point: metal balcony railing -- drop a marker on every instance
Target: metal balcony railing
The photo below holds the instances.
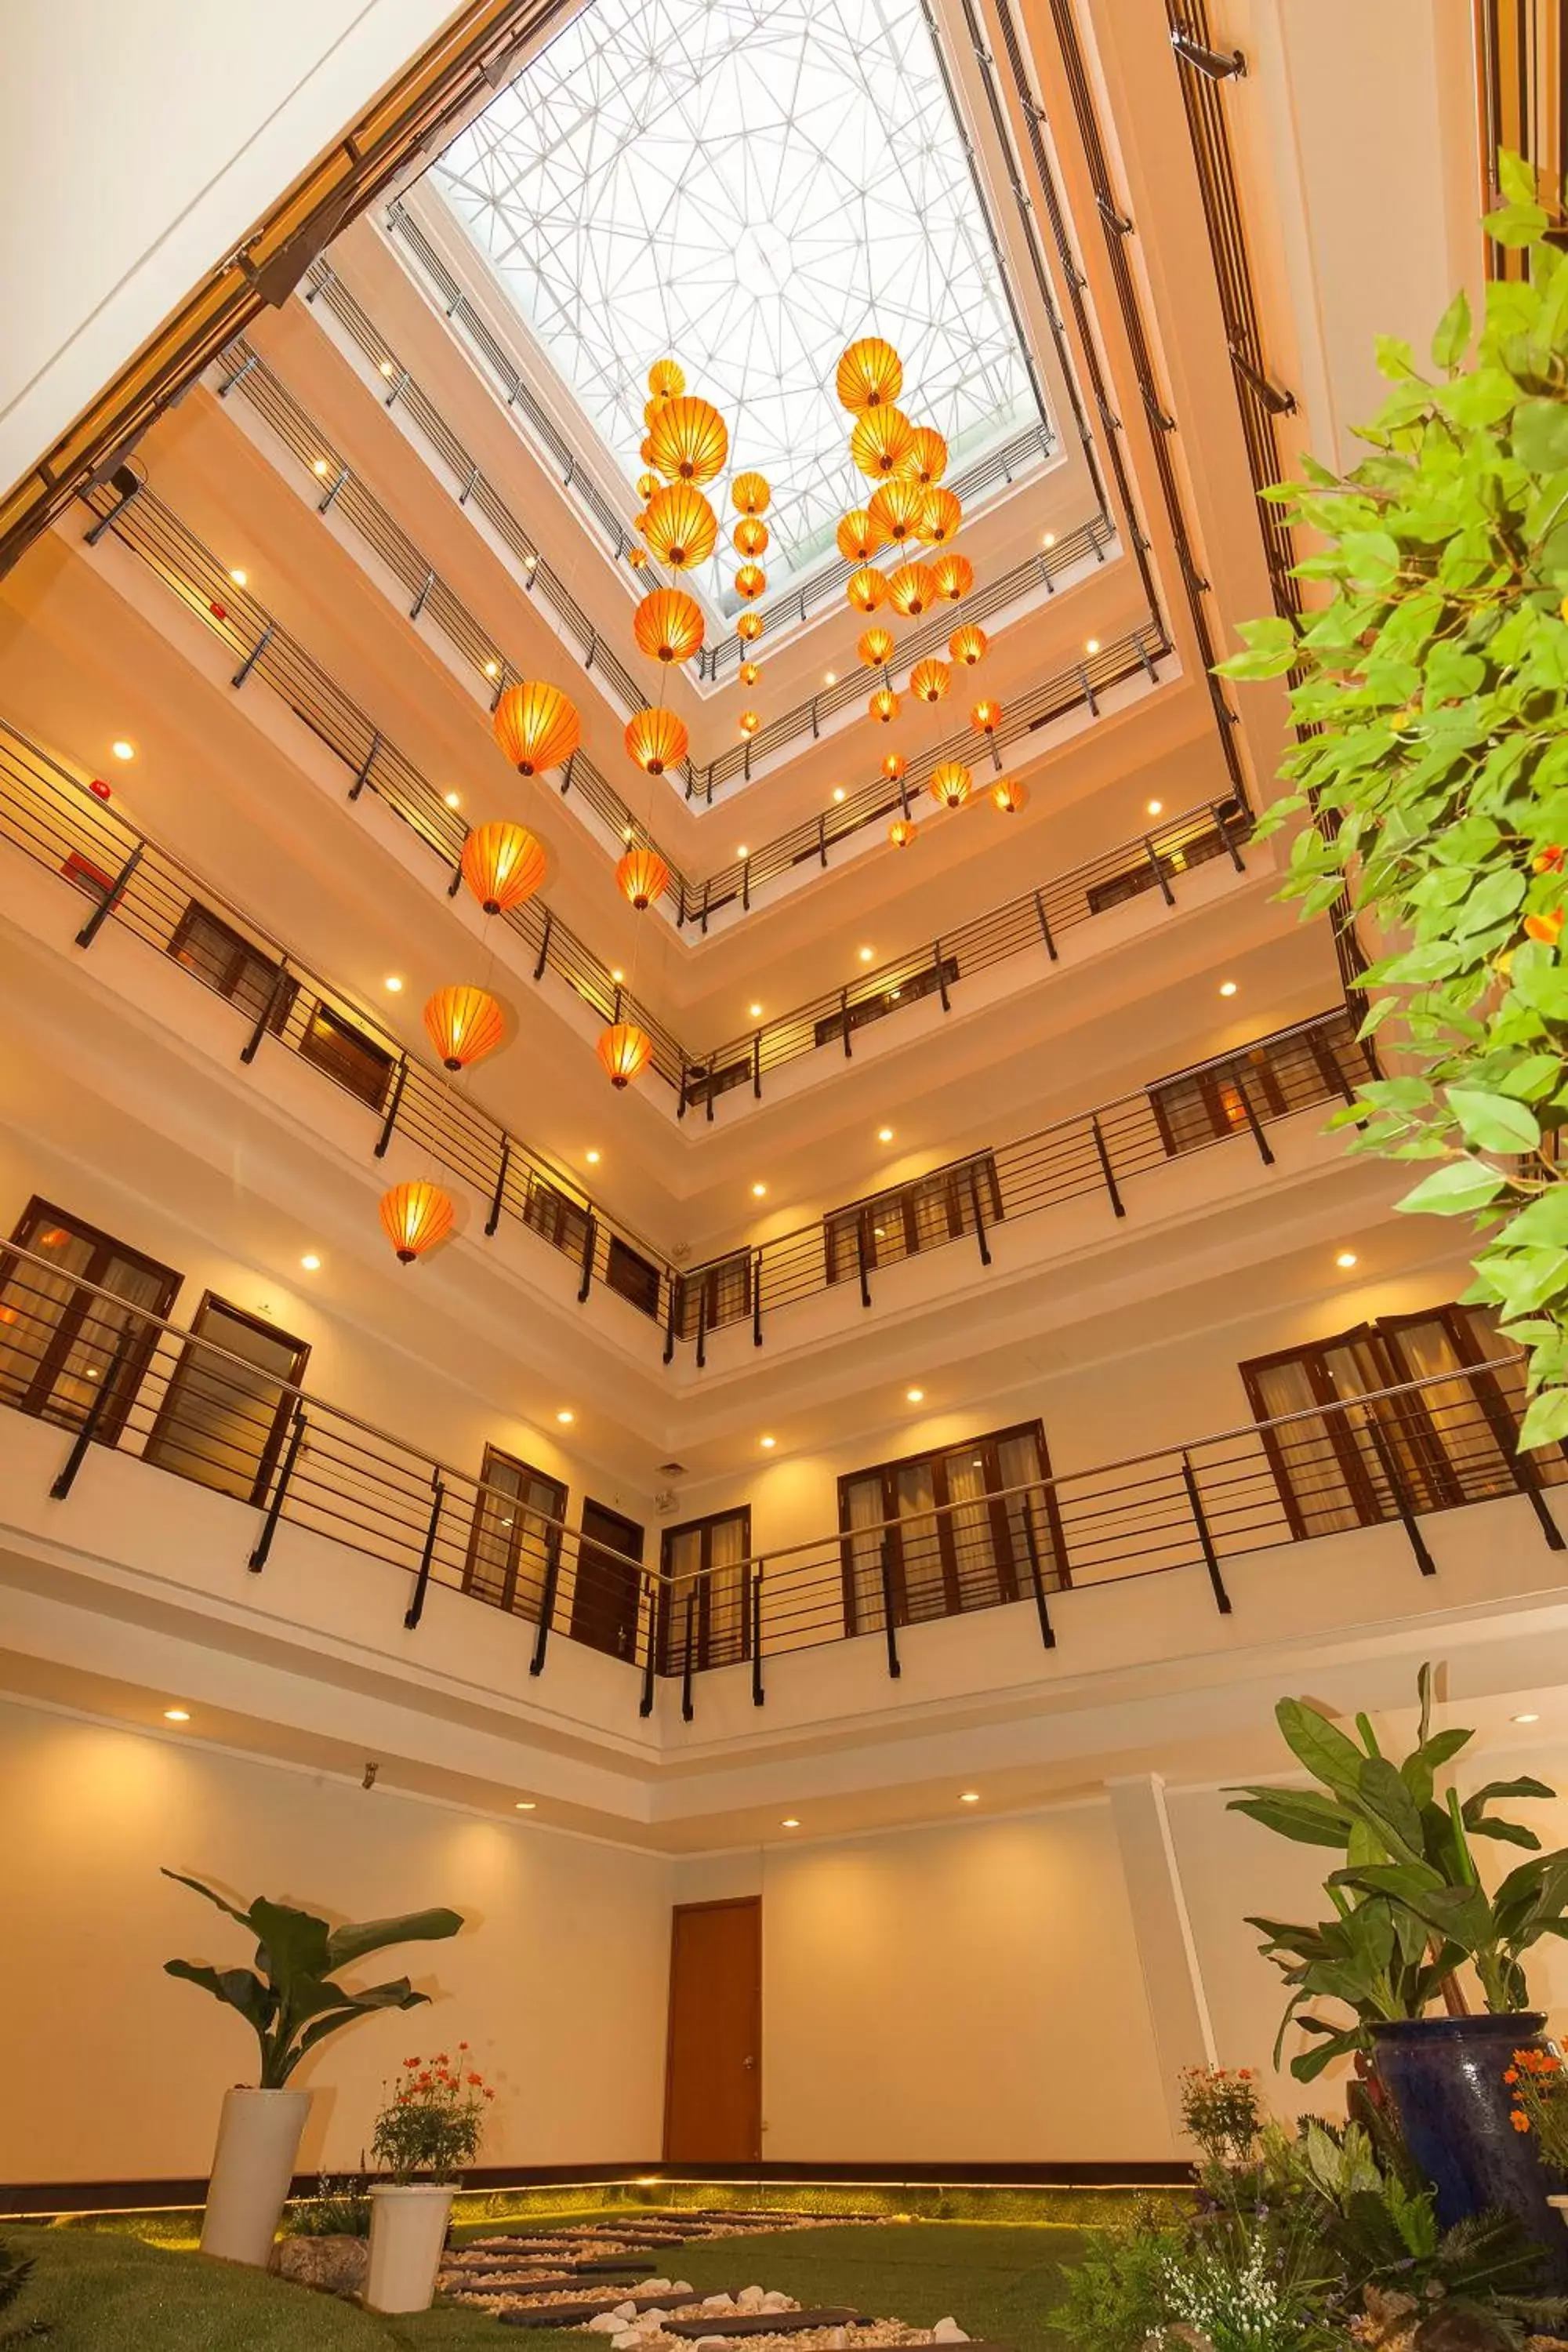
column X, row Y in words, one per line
column 1522, row 101
column 128, row 507
column 110, row 1375
column 1014, row 458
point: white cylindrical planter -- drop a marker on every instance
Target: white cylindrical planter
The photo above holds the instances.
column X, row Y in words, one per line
column 407, row 2232
column 257, row 2141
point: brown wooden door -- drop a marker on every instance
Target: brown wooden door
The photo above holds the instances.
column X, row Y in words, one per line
column 713, row 2077
column 606, row 1599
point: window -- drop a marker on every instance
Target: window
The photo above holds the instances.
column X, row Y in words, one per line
column 1454, row 1443
column 222, row 1422
column 937, row 1534
column 606, row 1597
column 347, row 1055
column 1285, row 1074
column 1140, row 873
column 706, row 1591
column 934, row 1209
column 58, row 1342
column 515, row 1545
column 702, row 1086
column 635, row 1278
column 222, row 960
column 562, row 1222
column 887, row 997
column 720, row 1293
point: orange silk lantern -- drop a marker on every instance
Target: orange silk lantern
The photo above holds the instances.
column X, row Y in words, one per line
column 985, row 717
column 876, row 648
column 967, row 645
column 690, row 440
column 636, row 557
column 859, row 537
column 929, row 680
column 749, row 672
column 642, row 875
column 750, row 537
column 749, row 627
column 950, row 785
column 749, row 494
column 911, row 589
column 667, row 624
column 415, row 1217
column 625, row 1051
column 895, row 508
column 657, row 741
column 955, row 577
column 901, row 833
column 1010, row 796
column 536, row 727
column 940, row 516
column 927, row 460
column 680, row 526
column 464, row 1024
column 894, row 766
column 869, row 374
column 750, row 582
column 667, row 379
column 866, row 588
column 748, row 722
column 884, row 704
column 881, row 441
column 503, row 865
column 646, row 485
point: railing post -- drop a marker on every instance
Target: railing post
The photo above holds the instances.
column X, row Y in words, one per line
column 107, row 521
column 1221, row 823
column 1045, row 927
column 1264, row 1152
column 493, row 1220
column 362, row 776
column 758, row 1694
column 687, row 1709
column 65, row 1480
column 263, row 1546
column 268, row 1013
column 757, row 1066
column 1401, row 1493
column 110, row 898
column 650, row 1655
column 415, row 1608
column 546, row 1605
column 674, row 1294
column 757, row 1297
column 1042, row 1606
column 1200, row 1520
column 844, row 1011
column 590, row 1242
column 1105, row 1167
column 702, row 1326
column 390, row 1121
column 941, row 977
column 1525, row 1475
column 978, row 1214
column 253, row 655
column 861, row 1263
column 891, row 1631
column 1161, row 876
column 543, row 957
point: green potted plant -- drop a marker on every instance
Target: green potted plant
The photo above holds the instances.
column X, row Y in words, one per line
column 1409, row 1912
column 430, row 2127
column 292, row 2000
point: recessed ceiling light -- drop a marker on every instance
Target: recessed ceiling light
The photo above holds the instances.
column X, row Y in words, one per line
column 318, row 466
column 121, row 749
column 1228, row 987
column 1092, row 645
column 492, row 670
column 1524, row 1718
column 454, row 800
column 526, row 1805
column 176, row 1714
column 790, row 1823
column 1155, row 807
column 769, row 1444
column 755, row 1010
column 884, row 1135
column 311, row 1262
column 238, row 577
column 970, row 1797
column 592, row 1158
column 1050, row 540
column 565, row 1414
column 915, row 1396
column 617, row 975
column 393, row 984
column 838, row 791
column 386, row 367
column 758, row 1191
column 1345, row 1258
column 740, row 850
column 830, row 678
column 530, row 562
column 866, row 953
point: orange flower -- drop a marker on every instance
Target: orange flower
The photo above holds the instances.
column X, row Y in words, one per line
column 1548, row 860
column 475, row 2082
column 1519, row 2120
column 1510, row 2075
column 1544, row 928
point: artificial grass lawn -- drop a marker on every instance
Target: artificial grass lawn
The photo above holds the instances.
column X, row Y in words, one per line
column 104, row 2292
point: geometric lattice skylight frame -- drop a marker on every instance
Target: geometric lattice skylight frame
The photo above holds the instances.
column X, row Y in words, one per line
column 748, row 188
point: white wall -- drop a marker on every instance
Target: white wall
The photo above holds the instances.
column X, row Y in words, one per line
column 115, row 2070
column 137, row 148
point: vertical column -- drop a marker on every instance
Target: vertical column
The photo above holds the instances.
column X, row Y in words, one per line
column 1167, row 1954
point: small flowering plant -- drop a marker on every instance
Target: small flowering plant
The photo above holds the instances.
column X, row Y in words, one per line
column 1220, row 2110
column 435, row 2118
column 1540, row 2088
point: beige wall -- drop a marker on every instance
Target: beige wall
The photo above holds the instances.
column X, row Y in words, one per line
column 115, row 2070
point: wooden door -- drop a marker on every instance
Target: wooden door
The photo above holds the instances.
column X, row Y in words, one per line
column 606, row 1599
column 222, row 1421
column 713, row 2075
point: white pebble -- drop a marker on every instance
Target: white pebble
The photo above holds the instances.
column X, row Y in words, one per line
column 775, row 2301
column 711, row 2344
column 681, row 2287
column 718, row 2303
column 839, row 2340
column 750, row 2298
column 948, row 2331
column 607, row 2324
column 628, row 2341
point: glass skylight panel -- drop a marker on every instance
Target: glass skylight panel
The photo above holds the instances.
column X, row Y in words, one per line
column 747, row 188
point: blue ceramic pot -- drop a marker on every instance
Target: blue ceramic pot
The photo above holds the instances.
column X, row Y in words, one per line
column 1444, row 2076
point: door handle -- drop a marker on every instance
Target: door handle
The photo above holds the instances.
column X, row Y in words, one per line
column 748, row 2062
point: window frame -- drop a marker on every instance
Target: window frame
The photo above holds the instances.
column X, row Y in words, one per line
column 485, row 1489
column 276, row 1002
column 960, row 1180
column 1015, row 1580
column 105, row 1247
column 191, row 1352
column 671, row 1651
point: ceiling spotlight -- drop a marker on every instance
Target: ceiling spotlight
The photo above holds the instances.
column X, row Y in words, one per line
column 1155, row 807
column 386, row 367
column 970, row 1797
column 915, row 1396
column 311, row 1262
column 393, row 984
column 454, row 800
column 1092, row 645
column 1050, row 540
column 1524, row 1718
column 122, row 750
column 740, row 850
column 884, row 1135
column 830, row 678
column 755, row 1010
column 838, row 793
column 492, row 670
column 791, row 1823
column 565, row 1414
column 525, row 1805
column 1228, row 987
column 866, row 953
column 758, row 1191
column 530, row 562
column 238, row 577
column 176, row 1714
column 1345, row 1258
column 319, row 465
column 769, row 1444
column 617, row 975
column 592, row 1158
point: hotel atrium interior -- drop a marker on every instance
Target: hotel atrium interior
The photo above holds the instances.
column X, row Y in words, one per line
column 678, row 1270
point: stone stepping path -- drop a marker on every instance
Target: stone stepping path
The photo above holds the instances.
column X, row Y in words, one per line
column 574, row 2314
column 730, row 2323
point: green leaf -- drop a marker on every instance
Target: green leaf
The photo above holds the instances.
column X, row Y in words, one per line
column 1326, row 1752
column 1456, row 1190
column 1540, row 435
column 1516, row 177
column 352, row 1943
column 1300, row 1815
column 1452, row 338
column 1546, row 1420
column 1373, row 556
column 1493, row 1122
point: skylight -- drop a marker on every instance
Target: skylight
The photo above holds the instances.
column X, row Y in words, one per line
column 748, row 187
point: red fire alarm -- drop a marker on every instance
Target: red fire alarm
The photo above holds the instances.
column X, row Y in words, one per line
column 99, row 790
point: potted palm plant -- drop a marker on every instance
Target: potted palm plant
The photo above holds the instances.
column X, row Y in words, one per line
column 429, row 2129
column 1410, row 1912
column 292, row 2002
